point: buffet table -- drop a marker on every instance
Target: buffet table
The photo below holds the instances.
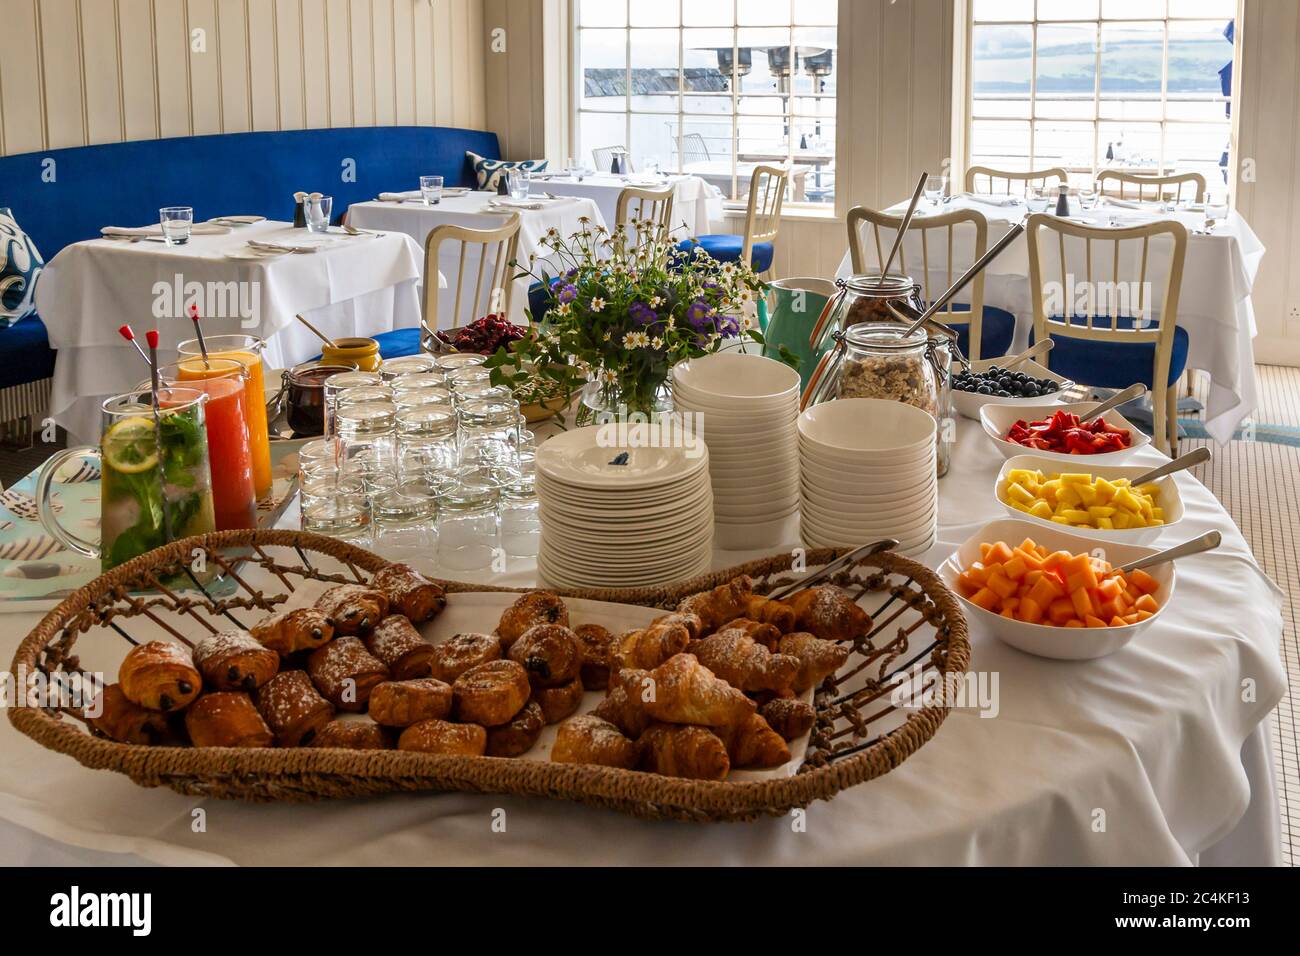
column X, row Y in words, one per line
column 1156, row 755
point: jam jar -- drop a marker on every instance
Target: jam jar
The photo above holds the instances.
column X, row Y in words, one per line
column 866, row 298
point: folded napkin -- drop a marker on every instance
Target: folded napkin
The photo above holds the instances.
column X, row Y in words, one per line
column 401, row 197
column 993, row 200
column 292, row 245
column 1132, row 204
column 236, row 220
column 198, row 229
column 518, row 203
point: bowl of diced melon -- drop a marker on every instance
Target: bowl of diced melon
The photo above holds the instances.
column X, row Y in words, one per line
column 1099, row 501
column 1053, row 593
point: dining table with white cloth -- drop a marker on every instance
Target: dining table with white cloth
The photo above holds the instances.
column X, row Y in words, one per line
column 477, row 209
column 1214, row 303
column 697, row 204
column 1158, row 754
column 347, row 286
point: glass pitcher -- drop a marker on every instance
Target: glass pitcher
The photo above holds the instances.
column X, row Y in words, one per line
column 156, row 485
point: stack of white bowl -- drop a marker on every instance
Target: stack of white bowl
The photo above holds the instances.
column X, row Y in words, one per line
column 745, row 407
column 868, row 472
column 622, row 507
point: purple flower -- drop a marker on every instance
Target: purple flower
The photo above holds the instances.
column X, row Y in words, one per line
column 728, row 327
column 642, row 314
column 700, row 315
column 567, row 293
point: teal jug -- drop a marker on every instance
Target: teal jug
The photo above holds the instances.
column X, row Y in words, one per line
column 794, row 307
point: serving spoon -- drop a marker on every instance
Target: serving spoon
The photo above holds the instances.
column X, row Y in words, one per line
column 1136, row 390
column 1034, row 351
column 1206, row 542
column 1191, row 459
column 826, row 570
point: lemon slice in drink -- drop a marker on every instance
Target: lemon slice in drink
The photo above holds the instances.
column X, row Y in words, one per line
column 129, row 446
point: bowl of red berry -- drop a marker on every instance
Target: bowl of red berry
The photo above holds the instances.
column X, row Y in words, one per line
column 1058, row 432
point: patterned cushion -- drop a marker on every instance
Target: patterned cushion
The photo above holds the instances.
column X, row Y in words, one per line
column 20, row 267
column 488, row 171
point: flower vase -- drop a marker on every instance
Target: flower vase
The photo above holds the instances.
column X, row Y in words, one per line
column 604, row 401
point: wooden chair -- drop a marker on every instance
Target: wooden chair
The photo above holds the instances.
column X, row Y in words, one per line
column 603, row 157
column 961, row 237
column 1159, row 185
column 1038, row 178
column 640, row 203
column 1104, row 347
column 694, row 149
column 755, row 245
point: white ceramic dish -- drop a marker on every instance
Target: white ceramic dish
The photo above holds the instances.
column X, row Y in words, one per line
column 899, row 485
column 998, row 419
column 865, row 425
column 1060, row 643
column 733, row 375
column 765, row 511
column 869, row 521
column 584, row 458
column 866, row 461
column 968, row 404
column 1170, row 500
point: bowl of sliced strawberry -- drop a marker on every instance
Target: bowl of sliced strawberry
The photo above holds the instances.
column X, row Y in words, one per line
column 1058, row 432
column 484, row 335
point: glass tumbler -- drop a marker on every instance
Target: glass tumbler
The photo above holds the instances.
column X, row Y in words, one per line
column 406, row 365
column 318, row 459
column 427, row 449
column 488, row 439
column 405, row 383
column 467, row 525
column 404, row 523
column 319, row 211
column 456, row 360
column 368, row 440
column 336, row 505
column 463, row 378
column 521, row 526
column 336, row 384
column 431, row 190
column 176, row 223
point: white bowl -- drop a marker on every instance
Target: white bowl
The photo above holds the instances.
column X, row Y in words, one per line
column 866, row 462
column 998, row 419
column 900, row 486
column 852, row 479
column 709, row 414
column 749, row 534
column 767, row 511
column 867, row 426
column 1170, row 500
column 756, row 446
column 968, row 404
column 737, row 375
column 830, row 516
column 1044, row 640
column 817, row 538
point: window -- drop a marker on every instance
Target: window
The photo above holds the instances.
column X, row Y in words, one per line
column 1095, row 84
column 710, row 87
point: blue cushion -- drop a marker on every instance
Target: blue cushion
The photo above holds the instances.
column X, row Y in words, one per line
column 539, row 301
column 488, row 171
column 62, row 196
column 399, row 342
column 727, row 248
column 997, row 330
column 25, row 353
column 20, row 267
column 1112, row 364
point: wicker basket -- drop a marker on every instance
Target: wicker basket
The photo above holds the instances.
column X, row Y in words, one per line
column 918, row 625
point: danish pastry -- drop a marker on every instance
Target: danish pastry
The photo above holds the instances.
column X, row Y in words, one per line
column 558, row 702
column 549, row 653
column 588, row 739
column 724, row 603
column 444, row 737
column 818, row 659
column 789, row 716
column 345, row 672
column 624, row 703
column 126, row 722
column 651, row 646
column 596, row 644
column 744, row 663
column 460, row 652
column 354, row 732
column 827, row 612
column 397, row 643
column 292, row 708
column 354, row 608
column 491, row 693
column 409, row 592
column 235, row 660
column 752, row 743
column 684, row 691
column 518, row 735
column 679, row 751
column 159, row 675
column 226, row 719
column 302, row 629
column 404, row 702
column 535, row 607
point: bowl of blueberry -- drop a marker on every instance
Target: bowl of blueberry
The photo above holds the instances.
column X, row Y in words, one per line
column 988, row 383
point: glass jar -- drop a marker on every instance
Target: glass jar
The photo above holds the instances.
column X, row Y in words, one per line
column 866, row 299
column 368, row 442
column 467, row 525
column 456, row 360
column 488, row 439
column 304, row 387
column 521, row 526
column 340, row 383
column 407, row 365
column 404, row 523
column 427, row 448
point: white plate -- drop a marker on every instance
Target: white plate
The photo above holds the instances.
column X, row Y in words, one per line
column 582, row 458
column 998, row 419
column 731, row 375
column 866, row 425
column 561, row 577
column 763, row 512
column 245, row 254
column 634, row 527
column 968, row 404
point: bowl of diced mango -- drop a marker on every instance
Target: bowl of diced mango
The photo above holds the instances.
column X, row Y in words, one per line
column 1099, row 500
column 1049, row 592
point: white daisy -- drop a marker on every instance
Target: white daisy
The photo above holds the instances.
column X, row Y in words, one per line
column 656, row 343
column 629, row 340
column 609, row 375
column 655, row 301
column 597, row 304
column 606, row 336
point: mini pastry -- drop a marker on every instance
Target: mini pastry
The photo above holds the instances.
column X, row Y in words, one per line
column 354, row 608
column 624, row 703
column 397, row 643
column 686, row 692
column 226, row 719
column 491, row 693
column 588, row 739
column 401, row 703
column 536, row 607
column 817, row 658
column 789, row 716
column 159, row 675
column 345, row 673
column 677, row 751
column 354, row 732
column 724, row 603
column 126, row 722
column 459, row 653
column 827, row 612
column 652, row 645
column 549, row 653
column 302, row 629
column 744, row 663
column 766, row 634
column 752, row 743
column 235, row 660
column 558, row 702
column 517, row 736
column 444, row 737
column 596, row 644
column 409, row 592
column 766, row 611
column 292, row 708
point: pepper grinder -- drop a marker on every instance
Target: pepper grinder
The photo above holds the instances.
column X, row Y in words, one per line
column 300, row 210
column 1063, row 200
column 502, row 188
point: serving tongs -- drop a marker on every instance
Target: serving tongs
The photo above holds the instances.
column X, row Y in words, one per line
column 833, row 567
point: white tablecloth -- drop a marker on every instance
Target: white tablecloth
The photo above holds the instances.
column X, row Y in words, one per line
column 1162, row 744
column 1214, row 304
column 417, row 220
column 697, row 205
column 353, row 286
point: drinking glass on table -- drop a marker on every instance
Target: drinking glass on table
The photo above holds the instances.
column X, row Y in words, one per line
column 336, row 505
column 431, row 189
column 176, row 222
column 1088, row 195
column 468, row 532
column 335, row 385
column 319, row 211
column 935, row 187
column 519, row 182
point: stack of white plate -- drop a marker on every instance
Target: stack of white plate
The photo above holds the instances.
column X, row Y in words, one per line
column 868, row 472
column 621, row 510
column 745, row 407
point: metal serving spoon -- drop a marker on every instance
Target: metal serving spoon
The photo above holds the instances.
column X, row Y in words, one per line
column 1190, row 460
column 1136, row 390
column 1206, row 542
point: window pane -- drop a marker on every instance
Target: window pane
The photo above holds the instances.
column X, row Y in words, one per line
column 1002, row 63
column 1224, row 9
column 1132, row 9
column 654, row 70
column 708, row 13
column 814, row 157
column 1132, row 60
column 604, row 69
column 816, row 12
column 1198, row 50
column 759, row 12
column 1067, row 9
column 1067, row 60
column 1000, row 144
column 770, row 60
column 596, row 130
column 1195, row 147
column 1130, row 108
column 1063, row 144
column 653, row 13
column 1136, row 146
column 1004, row 9
column 707, row 150
column 815, row 61
column 654, row 141
column 603, row 13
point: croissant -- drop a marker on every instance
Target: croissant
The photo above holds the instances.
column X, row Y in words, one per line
column 354, row 608
column 235, row 660
column 829, row 613
column 767, row 611
column 404, row 702
column 624, row 703
column 550, row 654
column 724, row 603
column 535, row 607
column 345, row 673
column 516, row 737
column 559, row 702
column 409, row 592
column 744, row 663
column 460, row 652
column 753, row 743
column 397, row 643
column 596, row 644
column 675, row 751
column 588, row 739
column 651, row 646
column 354, row 732
column 444, row 737
column 302, row 629
column 292, row 708
column 226, row 719
column 766, row 634
column 684, row 691
column 789, row 716
column 817, row 658
column 126, row 722
column 159, row 675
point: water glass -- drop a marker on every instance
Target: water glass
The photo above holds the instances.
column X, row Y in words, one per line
column 481, row 392
column 488, row 439
column 395, row 368
column 935, row 187
column 404, row 523
column 456, row 360
column 521, row 525
column 336, row 506
column 417, row 397
column 427, row 449
column 319, row 209
column 318, row 458
column 176, row 222
column 468, row 536
column 368, row 438
column 337, row 384
column 462, row 378
column 431, row 190
column 410, row 383
column 1088, row 195
column 519, row 182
